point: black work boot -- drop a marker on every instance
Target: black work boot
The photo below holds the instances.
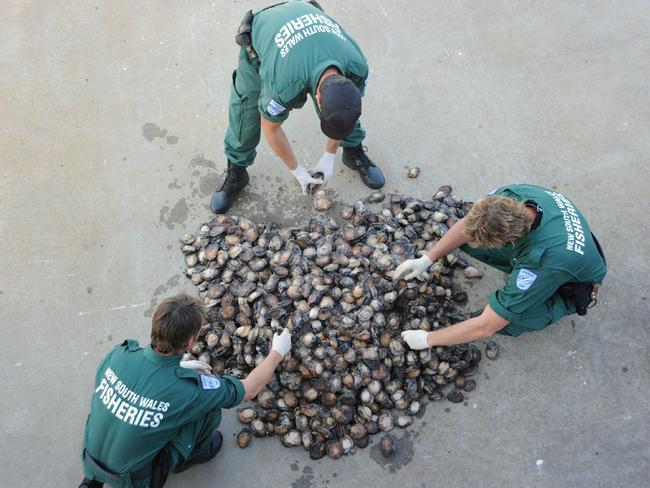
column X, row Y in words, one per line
column 215, row 445
column 223, row 198
column 355, row 158
column 88, row 483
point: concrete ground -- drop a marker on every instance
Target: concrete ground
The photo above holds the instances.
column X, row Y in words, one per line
column 113, row 116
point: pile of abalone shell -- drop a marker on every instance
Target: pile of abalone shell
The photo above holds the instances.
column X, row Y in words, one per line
column 349, row 374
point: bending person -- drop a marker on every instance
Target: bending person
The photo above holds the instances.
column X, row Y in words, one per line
column 289, row 51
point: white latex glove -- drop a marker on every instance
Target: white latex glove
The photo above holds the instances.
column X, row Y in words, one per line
column 305, row 178
column 196, row 365
column 412, row 268
column 416, row 339
column 325, row 167
column 282, row 342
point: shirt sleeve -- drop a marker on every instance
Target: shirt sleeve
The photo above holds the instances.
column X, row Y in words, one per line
column 526, row 288
column 214, row 392
column 233, row 391
column 271, row 107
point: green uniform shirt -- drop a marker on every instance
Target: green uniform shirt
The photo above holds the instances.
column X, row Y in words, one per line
column 559, row 250
column 141, row 402
column 296, row 42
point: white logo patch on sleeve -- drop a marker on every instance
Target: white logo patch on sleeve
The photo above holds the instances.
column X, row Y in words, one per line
column 210, row 382
column 274, row 108
column 525, row 279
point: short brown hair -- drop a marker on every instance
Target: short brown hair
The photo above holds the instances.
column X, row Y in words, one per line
column 494, row 221
column 174, row 322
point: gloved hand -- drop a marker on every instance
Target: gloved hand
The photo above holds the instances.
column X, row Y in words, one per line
column 305, row 178
column 196, row 365
column 412, row 268
column 282, row 342
column 325, row 167
column 416, row 339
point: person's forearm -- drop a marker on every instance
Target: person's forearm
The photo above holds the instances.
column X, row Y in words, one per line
column 331, row 145
column 466, row 331
column 453, row 239
column 260, row 376
column 280, row 144
column 474, row 329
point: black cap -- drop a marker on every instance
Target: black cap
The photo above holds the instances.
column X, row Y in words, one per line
column 340, row 106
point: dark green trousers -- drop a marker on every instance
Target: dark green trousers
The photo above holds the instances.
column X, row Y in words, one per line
column 536, row 318
column 244, row 126
column 198, row 432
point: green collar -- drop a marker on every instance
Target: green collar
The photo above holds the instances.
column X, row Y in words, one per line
column 157, row 358
column 319, row 70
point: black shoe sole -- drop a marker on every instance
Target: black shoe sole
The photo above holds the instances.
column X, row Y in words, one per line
column 86, row 483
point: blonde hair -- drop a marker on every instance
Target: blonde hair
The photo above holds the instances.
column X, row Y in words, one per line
column 495, row 221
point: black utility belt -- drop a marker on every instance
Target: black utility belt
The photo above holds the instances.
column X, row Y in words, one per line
column 244, row 37
column 137, row 475
column 583, row 294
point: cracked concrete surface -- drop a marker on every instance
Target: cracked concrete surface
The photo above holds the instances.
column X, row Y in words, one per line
column 113, row 116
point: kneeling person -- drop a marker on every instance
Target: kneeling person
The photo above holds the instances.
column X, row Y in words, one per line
column 151, row 413
column 542, row 240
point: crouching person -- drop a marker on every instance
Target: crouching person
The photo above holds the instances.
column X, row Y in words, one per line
column 542, row 240
column 150, row 415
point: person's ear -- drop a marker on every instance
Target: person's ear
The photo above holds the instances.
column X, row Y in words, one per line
column 191, row 342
